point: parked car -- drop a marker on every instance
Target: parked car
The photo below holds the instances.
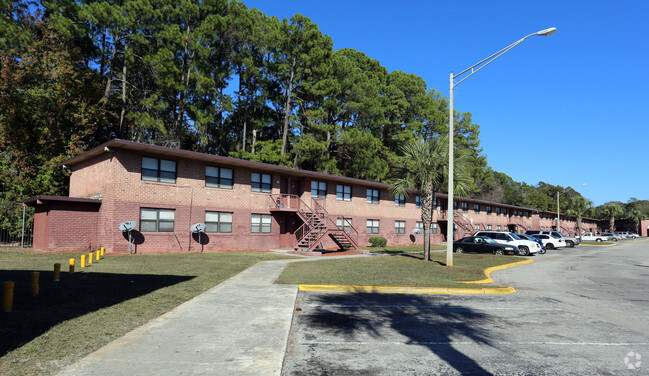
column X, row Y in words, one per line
column 589, row 236
column 633, row 235
column 569, row 240
column 611, row 236
column 551, row 242
column 525, row 247
column 534, row 239
column 483, row 244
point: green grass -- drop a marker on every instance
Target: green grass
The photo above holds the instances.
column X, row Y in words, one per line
column 403, row 249
column 403, row 269
column 73, row 317
column 588, row 242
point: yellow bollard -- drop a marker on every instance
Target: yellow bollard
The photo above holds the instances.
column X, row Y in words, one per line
column 98, row 254
column 102, row 251
column 90, row 259
column 34, row 278
column 57, row 272
column 71, row 266
column 83, row 261
column 7, row 296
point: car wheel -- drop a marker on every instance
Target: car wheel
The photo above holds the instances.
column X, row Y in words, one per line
column 499, row 252
column 550, row 246
column 523, row 251
column 598, row 240
column 542, row 251
column 570, row 244
column 459, row 250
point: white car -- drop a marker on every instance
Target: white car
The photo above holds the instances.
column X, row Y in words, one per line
column 551, row 242
column 589, row 236
column 525, row 247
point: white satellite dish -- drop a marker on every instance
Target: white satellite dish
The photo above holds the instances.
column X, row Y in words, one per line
column 416, row 231
column 198, row 227
column 127, row 226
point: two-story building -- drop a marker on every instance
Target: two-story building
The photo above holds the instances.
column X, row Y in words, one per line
column 244, row 205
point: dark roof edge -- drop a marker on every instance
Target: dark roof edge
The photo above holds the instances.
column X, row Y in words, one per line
column 33, row 201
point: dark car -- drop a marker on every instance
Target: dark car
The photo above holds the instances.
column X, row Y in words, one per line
column 483, row 244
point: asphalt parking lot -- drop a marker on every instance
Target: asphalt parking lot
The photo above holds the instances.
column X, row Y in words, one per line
column 580, row 311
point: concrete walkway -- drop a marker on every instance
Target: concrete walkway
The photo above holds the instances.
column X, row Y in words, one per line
column 239, row 327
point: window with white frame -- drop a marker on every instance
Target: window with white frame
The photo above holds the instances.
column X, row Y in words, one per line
column 217, row 177
column 372, row 196
column 497, row 210
column 344, row 224
column 488, row 227
column 476, row 227
column 157, row 220
column 318, row 188
column 261, row 182
column 399, row 227
column 373, row 226
column 418, row 202
column 455, row 205
column 419, row 227
column 433, row 228
column 218, row 222
column 498, row 228
column 260, row 223
column 160, row 170
column 343, row 192
column 400, row 199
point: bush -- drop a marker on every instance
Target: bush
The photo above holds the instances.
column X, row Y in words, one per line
column 378, row 241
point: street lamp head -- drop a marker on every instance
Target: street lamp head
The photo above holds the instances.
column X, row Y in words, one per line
column 548, row 31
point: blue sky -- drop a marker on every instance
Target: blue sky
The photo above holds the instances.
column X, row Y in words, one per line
column 565, row 109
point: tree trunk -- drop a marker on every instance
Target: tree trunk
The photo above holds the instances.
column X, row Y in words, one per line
column 123, row 112
column 426, row 217
column 611, row 224
column 185, row 80
column 109, row 76
column 287, row 108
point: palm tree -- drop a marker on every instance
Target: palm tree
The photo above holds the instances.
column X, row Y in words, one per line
column 637, row 216
column 578, row 206
column 424, row 171
column 612, row 210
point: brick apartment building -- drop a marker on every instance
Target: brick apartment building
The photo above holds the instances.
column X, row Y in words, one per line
column 245, row 206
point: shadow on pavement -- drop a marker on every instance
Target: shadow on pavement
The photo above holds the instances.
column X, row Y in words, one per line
column 74, row 296
column 428, row 322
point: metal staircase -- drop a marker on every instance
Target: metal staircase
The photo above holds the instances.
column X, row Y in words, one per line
column 317, row 224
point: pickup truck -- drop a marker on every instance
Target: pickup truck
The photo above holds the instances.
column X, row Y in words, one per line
column 589, row 236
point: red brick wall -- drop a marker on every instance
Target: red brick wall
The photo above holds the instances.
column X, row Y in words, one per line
column 65, row 226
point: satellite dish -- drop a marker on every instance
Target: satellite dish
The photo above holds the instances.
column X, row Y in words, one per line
column 416, row 231
column 197, row 227
column 127, row 226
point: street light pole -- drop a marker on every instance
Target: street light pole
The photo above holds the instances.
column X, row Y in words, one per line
column 452, row 84
column 558, row 210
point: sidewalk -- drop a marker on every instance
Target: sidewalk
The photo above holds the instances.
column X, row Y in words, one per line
column 239, row 327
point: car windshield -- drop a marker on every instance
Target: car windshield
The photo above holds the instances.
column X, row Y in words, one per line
column 516, row 237
column 489, row 241
column 561, row 235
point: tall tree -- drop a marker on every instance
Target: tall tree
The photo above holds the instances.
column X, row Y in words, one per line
column 578, row 206
column 611, row 210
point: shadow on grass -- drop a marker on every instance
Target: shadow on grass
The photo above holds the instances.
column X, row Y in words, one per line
column 74, row 296
column 429, row 322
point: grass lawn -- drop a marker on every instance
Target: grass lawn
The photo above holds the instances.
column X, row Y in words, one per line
column 588, row 242
column 71, row 318
column 404, row 249
column 402, row 269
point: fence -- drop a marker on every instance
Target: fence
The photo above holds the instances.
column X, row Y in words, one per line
column 16, row 225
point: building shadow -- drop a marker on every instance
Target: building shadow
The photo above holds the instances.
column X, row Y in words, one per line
column 426, row 321
column 74, row 296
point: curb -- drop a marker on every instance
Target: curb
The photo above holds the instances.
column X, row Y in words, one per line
column 488, row 271
column 423, row 290
column 408, row 290
column 599, row 245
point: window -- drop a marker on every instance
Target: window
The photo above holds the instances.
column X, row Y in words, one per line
column 465, row 206
column 488, row 227
column 260, row 223
column 497, row 210
column 498, row 228
column 344, row 224
column 400, row 200
column 217, row 177
column 318, row 189
column 157, row 220
column 372, row 196
column 261, row 182
column 343, row 192
column 433, row 228
column 488, row 209
column 418, row 202
column 454, row 228
column 419, row 228
column 476, row 208
column 161, row 170
column 476, row 227
column 506, row 211
column 399, row 227
column 218, row 222
column 455, row 205
column 372, row 226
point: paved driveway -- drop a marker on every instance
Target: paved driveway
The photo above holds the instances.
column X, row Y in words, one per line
column 581, row 311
